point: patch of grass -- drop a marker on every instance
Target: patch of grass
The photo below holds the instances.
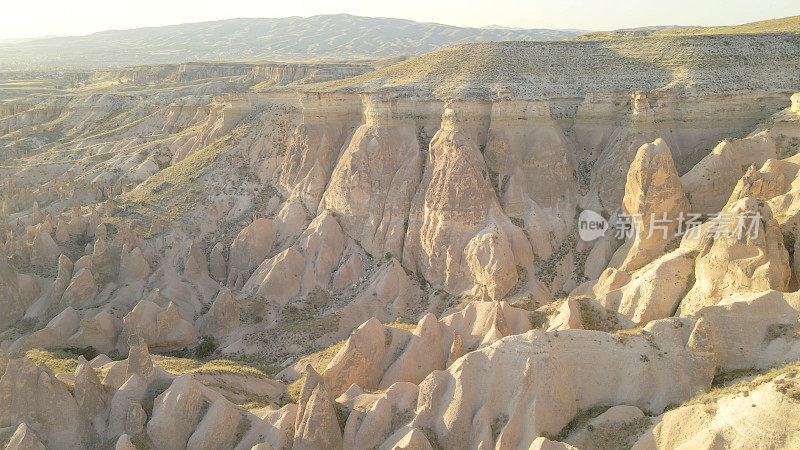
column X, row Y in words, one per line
column 583, row 174
column 789, row 240
column 787, row 146
column 239, row 396
column 785, row 378
column 579, row 421
column 245, row 367
column 540, row 315
column 548, row 268
column 579, row 272
column 497, row 425
column 293, row 391
column 522, row 278
column 142, row 441
column 723, row 378
column 593, row 318
column 673, row 244
column 174, row 191
column 320, row 361
column 616, row 435
column 780, row 330
column 630, row 331
column 527, row 303
column 241, row 429
column 180, row 366
column 432, row 439
column 310, row 331
column 494, row 178
column 789, row 388
column 25, row 325
column 58, row 361
column 257, row 402
column 206, row 347
column 622, row 336
column 400, row 418
column 75, row 247
column 404, row 325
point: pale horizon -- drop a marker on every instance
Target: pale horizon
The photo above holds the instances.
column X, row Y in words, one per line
column 50, row 18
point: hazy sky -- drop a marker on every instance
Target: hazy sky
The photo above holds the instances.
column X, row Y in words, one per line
column 74, row 17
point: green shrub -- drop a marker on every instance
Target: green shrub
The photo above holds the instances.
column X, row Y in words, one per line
column 206, row 347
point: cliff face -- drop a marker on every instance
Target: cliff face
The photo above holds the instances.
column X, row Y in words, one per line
column 474, row 196
column 377, row 175
column 453, row 187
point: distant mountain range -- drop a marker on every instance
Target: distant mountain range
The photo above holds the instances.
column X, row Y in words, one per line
column 339, row 36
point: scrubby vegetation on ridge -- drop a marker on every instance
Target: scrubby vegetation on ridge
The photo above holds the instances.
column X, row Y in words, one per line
column 784, row 377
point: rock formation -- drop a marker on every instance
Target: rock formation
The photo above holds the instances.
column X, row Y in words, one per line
column 475, row 247
column 654, row 201
column 161, row 328
column 765, row 413
column 24, row 439
column 223, row 316
column 393, row 253
column 741, row 251
column 34, row 396
column 252, row 245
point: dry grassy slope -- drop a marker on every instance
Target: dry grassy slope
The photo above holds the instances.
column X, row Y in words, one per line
column 783, row 25
column 686, row 64
column 259, row 75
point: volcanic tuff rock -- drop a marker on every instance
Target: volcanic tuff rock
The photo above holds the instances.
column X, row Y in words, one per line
column 161, row 328
column 252, row 245
column 10, row 300
column 407, row 239
column 747, row 415
column 223, row 316
column 384, row 148
column 81, row 290
column 461, row 417
column 92, row 397
column 389, row 294
column 743, row 252
column 456, row 190
column 99, row 332
column 764, row 322
column 44, row 249
column 306, row 265
column 33, row 395
column 654, row 199
column 24, row 439
column 712, row 179
column 177, row 411
column 654, row 291
column 317, row 424
column 218, row 427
